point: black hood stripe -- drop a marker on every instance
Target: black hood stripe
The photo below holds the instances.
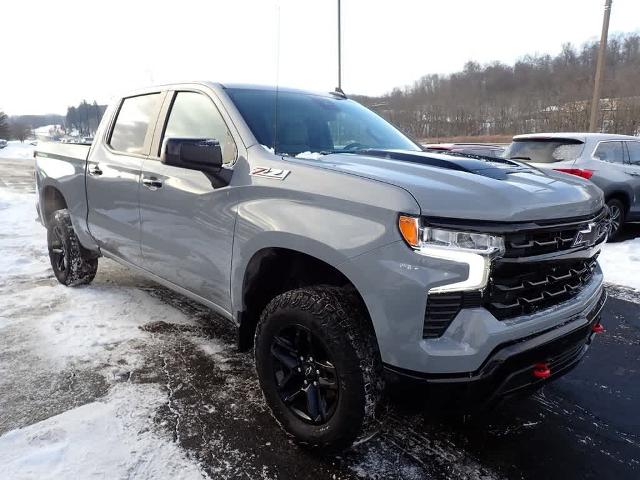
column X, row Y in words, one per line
column 496, row 168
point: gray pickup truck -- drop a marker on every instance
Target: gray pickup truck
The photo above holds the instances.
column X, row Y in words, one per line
column 343, row 253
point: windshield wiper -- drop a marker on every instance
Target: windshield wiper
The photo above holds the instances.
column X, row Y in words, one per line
column 520, row 158
column 342, row 150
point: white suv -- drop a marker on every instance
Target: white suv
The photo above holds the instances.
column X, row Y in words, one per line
column 612, row 162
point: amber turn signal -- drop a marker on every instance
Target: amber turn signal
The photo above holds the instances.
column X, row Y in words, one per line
column 410, row 230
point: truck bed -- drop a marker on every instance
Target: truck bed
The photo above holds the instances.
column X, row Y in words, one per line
column 75, row 152
column 60, row 175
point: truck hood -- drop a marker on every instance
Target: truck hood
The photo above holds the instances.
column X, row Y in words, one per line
column 473, row 188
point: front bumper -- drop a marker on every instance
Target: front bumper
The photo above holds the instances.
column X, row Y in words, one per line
column 508, row 370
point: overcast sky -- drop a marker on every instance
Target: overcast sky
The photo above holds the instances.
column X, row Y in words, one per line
column 58, row 52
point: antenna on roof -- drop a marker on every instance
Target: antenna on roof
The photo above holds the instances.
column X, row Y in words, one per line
column 275, row 113
column 338, row 91
column 339, row 87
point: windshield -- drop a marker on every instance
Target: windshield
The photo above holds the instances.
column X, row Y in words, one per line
column 544, row 150
column 314, row 124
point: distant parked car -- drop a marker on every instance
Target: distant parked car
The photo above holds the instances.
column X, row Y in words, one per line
column 612, row 162
column 3, row 143
column 481, row 149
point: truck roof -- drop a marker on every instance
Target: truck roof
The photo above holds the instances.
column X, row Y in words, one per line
column 223, row 86
column 270, row 88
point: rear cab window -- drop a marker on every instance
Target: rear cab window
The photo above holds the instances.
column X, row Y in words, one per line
column 131, row 133
column 544, row 150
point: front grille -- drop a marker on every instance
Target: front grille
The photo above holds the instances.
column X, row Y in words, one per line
column 524, row 288
column 555, row 238
column 544, row 264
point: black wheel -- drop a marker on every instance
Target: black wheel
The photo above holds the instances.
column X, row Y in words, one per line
column 319, row 366
column 72, row 264
column 616, row 216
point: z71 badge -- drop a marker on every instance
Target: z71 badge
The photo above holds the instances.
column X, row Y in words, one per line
column 274, row 173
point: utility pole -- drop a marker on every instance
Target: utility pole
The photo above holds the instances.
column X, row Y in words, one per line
column 595, row 101
column 339, row 49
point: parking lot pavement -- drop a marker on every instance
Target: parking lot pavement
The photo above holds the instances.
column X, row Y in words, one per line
column 585, row 425
column 65, row 348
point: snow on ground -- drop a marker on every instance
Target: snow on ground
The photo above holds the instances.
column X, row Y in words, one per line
column 109, row 438
column 22, row 249
column 55, row 335
column 621, row 263
column 17, row 150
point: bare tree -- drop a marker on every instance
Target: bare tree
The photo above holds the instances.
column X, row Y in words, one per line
column 20, row 131
column 536, row 93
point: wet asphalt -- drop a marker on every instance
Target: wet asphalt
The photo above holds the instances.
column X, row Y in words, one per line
column 584, row 425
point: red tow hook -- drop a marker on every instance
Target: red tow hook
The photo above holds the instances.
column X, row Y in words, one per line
column 597, row 328
column 541, row 370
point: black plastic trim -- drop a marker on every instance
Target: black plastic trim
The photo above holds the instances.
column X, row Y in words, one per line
column 512, row 358
column 500, row 227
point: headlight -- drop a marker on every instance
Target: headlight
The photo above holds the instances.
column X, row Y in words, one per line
column 475, row 249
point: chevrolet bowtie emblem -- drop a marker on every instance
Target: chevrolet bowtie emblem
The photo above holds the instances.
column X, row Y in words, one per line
column 588, row 236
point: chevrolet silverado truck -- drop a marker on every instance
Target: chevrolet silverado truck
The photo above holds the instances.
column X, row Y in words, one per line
column 340, row 250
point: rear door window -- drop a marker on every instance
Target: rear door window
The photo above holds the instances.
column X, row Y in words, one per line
column 610, row 152
column 544, row 150
column 634, row 153
column 130, row 132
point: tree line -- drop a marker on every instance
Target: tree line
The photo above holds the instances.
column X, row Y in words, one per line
column 13, row 129
column 84, row 117
column 537, row 93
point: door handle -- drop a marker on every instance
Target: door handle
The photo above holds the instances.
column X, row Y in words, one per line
column 95, row 171
column 152, row 183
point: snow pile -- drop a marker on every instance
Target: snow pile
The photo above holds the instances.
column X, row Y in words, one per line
column 268, row 149
column 17, row 150
column 94, row 328
column 621, row 263
column 309, row 155
column 105, row 439
column 23, row 252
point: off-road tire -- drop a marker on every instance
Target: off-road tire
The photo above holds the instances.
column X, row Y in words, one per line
column 337, row 317
column 78, row 265
column 616, row 205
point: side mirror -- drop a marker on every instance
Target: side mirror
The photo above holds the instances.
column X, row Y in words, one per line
column 202, row 154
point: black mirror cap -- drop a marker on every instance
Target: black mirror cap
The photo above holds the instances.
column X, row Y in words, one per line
column 194, row 153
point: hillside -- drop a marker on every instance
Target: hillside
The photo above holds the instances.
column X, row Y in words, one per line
column 536, row 93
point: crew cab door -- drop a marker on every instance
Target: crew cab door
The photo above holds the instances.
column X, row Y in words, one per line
column 113, row 176
column 186, row 222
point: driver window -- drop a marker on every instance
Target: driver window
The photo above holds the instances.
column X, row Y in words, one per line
column 194, row 115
